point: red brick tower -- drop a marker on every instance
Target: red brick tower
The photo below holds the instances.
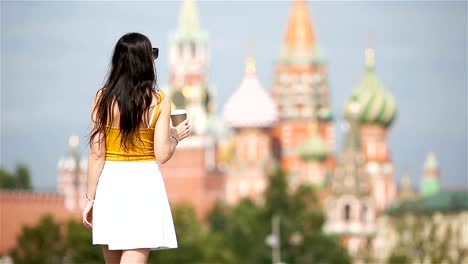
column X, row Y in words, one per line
column 189, row 174
column 71, row 180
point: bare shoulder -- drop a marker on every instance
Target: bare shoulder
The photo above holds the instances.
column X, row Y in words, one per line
column 165, row 99
column 166, row 104
column 161, row 95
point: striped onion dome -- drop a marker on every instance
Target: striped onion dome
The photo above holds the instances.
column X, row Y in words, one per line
column 376, row 105
column 250, row 105
column 314, row 148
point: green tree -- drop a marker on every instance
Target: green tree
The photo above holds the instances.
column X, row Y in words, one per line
column 217, row 217
column 53, row 242
column 246, row 225
column 42, row 243
column 7, row 181
column 276, row 194
column 301, row 220
column 79, row 247
column 19, row 179
column 398, row 259
column 23, row 179
column 422, row 238
column 195, row 243
column 246, row 231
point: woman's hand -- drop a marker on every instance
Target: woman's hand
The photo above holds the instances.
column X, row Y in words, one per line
column 180, row 131
column 88, row 214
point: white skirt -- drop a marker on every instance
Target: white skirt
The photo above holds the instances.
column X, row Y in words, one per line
column 131, row 209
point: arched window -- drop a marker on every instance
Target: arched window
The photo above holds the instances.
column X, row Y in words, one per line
column 347, row 212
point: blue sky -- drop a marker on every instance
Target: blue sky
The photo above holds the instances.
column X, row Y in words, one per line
column 55, row 55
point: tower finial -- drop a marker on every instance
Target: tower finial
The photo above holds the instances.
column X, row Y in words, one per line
column 188, row 20
column 370, row 53
column 250, row 61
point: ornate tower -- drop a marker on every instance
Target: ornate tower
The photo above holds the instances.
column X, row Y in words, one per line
column 350, row 207
column 377, row 111
column 300, row 89
column 430, row 183
column 250, row 112
column 188, row 66
column 71, row 180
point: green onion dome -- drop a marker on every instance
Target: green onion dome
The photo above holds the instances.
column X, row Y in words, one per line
column 376, row 105
column 314, row 148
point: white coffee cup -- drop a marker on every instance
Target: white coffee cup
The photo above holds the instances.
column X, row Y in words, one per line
column 177, row 116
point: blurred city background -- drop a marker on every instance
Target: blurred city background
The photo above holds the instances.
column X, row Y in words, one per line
column 324, row 132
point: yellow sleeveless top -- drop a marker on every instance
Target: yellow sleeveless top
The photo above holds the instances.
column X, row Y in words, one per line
column 141, row 150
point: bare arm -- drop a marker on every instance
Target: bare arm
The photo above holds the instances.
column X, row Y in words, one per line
column 96, row 156
column 164, row 146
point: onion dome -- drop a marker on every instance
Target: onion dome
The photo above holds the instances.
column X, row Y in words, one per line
column 377, row 106
column 250, row 105
column 314, row 148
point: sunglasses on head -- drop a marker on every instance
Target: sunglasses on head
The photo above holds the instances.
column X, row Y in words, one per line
column 155, row 53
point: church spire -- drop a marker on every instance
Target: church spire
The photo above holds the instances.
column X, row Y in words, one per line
column 189, row 29
column 300, row 34
column 188, row 21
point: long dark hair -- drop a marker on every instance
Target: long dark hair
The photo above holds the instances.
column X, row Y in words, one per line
column 131, row 83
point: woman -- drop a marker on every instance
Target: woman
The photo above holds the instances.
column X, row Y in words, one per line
column 127, row 206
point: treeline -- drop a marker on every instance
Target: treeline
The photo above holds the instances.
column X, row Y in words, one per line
column 19, row 178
